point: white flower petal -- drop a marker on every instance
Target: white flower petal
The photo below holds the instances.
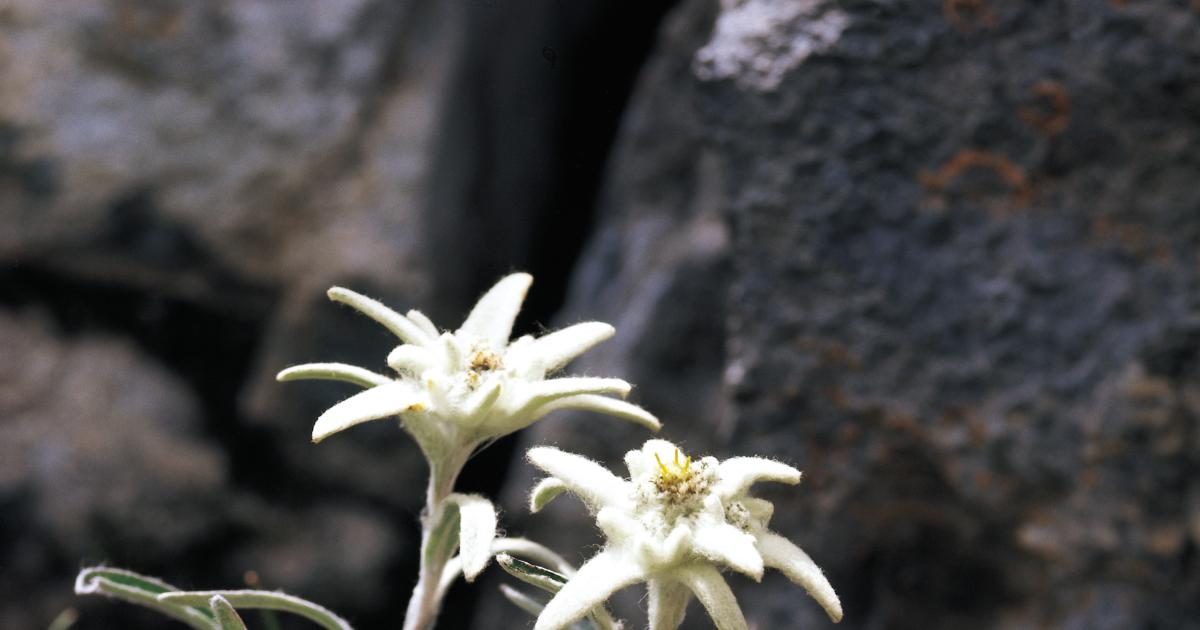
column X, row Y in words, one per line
column 383, row 401
column 544, row 492
column 333, row 372
column 452, row 352
column 618, row 525
column 409, row 358
column 590, row 481
column 730, row 546
column 398, row 324
column 602, row 404
column 543, row 392
column 477, row 530
column 712, row 591
column 558, row 348
column 737, row 474
column 594, row 583
column 424, row 323
column 493, row 316
column 668, row 603
column 779, row 553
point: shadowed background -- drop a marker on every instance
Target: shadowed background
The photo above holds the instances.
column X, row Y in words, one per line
column 940, row 256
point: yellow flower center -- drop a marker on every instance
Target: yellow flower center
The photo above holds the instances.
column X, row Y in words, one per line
column 677, row 482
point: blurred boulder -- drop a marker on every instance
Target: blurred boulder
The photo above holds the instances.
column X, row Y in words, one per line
column 102, row 459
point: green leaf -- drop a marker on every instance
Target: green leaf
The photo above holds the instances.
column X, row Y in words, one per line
column 551, row 581
column 142, row 590
column 521, row 600
column 227, row 617
column 477, row 530
column 271, row 600
column 443, row 539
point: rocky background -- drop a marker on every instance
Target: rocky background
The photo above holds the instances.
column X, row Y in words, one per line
column 943, row 257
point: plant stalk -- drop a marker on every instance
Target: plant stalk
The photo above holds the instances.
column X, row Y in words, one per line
column 426, row 601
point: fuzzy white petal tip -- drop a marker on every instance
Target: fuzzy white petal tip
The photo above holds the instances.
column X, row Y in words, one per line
column 493, row 316
column 781, row 554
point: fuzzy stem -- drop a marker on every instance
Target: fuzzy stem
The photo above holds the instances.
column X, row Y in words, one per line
column 426, row 599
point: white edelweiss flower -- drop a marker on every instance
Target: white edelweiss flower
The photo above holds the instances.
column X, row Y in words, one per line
column 455, row 390
column 674, row 525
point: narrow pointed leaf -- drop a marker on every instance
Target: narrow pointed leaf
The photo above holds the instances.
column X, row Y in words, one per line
column 398, row 324
column 595, row 582
column 494, row 314
column 391, row 399
column 526, row 549
column 477, row 523
column 333, row 372
column 605, row 405
column 142, row 590
column 712, row 591
column 553, row 582
column 521, row 600
column 779, row 553
column 560, row 347
column 227, row 617
column 270, row 600
column 545, row 492
column 532, row 574
column 590, row 481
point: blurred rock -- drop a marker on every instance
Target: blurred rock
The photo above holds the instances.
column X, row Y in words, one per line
column 102, row 459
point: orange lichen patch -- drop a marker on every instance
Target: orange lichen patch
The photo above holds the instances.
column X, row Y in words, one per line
column 967, row 15
column 1134, row 239
column 1011, row 175
column 831, row 353
column 136, row 20
column 1050, row 109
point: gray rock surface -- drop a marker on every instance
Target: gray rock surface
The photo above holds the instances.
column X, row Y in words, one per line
column 961, row 295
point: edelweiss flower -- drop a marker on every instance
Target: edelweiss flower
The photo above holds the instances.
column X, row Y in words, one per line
column 453, row 391
column 674, row 525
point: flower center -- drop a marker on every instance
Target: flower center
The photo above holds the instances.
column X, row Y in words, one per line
column 679, row 482
column 483, row 360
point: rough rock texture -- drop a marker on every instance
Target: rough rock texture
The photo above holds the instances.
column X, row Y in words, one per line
column 962, row 297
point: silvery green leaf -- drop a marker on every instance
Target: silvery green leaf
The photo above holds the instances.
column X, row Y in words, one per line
column 544, row 492
column 142, row 590
column 227, row 617
column 521, row 600
column 270, row 600
column 477, row 530
column 552, row 582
